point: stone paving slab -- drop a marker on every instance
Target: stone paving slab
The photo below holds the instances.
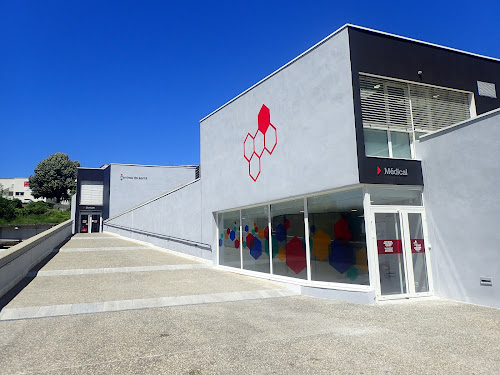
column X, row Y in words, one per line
column 102, row 287
column 291, row 335
column 94, row 271
column 80, row 236
column 99, row 249
column 99, row 242
column 136, row 304
column 120, row 258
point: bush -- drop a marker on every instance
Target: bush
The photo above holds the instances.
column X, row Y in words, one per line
column 37, row 208
column 16, row 203
column 7, row 210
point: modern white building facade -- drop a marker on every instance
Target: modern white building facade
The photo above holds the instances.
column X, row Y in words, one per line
column 317, row 175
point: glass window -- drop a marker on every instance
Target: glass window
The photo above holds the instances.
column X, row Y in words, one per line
column 418, row 252
column 229, row 239
column 337, row 238
column 255, row 230
column 388, row 196
column 400, row 145
column 376, row 143
column 288, row 238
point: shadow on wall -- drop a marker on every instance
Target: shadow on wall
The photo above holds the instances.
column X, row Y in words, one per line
column 447, row 284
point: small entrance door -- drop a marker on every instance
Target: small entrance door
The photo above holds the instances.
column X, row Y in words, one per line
column 403, row 257
column 96, row 223
column 90, row 222
column 84, row 223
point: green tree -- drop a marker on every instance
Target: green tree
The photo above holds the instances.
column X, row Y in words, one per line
column 54, row 177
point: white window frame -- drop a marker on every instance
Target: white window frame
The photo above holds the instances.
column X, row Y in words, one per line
column 389, row 142
column 287, row 279
column 472, row 110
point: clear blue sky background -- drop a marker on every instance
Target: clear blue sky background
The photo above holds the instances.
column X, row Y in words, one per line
column 128, row 81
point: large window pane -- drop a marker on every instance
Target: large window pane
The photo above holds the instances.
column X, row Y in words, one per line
column 288, row 238
column 229, row 239
column 337, row 238
column 376, row 143
column 400, row 145
column 388, row 196
column 254, row 222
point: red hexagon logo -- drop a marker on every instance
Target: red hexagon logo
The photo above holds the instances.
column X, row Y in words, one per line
column 265, row 138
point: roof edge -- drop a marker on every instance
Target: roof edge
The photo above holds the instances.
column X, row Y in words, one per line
column 423, row 42
column 460, row 125
column 143, row 165
column 157, row 166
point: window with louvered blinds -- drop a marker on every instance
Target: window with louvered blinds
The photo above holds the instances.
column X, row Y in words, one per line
column 406, row 106
column 91, row 193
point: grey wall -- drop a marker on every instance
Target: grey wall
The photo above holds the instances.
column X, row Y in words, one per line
column 311, row 105
column 24, row 231
column 172, row 221
column 462, row 179
column 73, row 213
column 19, row 259
column 147, row 182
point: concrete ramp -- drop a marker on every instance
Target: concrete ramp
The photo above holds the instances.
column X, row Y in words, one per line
column 100, row 272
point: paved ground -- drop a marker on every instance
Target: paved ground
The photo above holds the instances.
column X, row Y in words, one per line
column 126, row 309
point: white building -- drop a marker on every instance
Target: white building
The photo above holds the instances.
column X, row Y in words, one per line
column 18, row 187
column 365, row 169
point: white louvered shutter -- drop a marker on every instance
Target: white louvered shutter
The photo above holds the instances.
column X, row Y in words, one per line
column 91, row 193
column 385, row 104
column 405, row 106
column 436, row 108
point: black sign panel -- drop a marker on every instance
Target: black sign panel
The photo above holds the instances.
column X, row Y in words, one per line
column 390, row 171
column 98, row 208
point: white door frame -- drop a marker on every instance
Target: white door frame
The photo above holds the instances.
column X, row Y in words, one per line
column 89, row 223
column 403, row 212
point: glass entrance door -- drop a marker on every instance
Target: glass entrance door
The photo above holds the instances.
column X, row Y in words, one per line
column 90, row 222
column 401, row 252
column 84, row 223
column 96, row 223
column 391, row 263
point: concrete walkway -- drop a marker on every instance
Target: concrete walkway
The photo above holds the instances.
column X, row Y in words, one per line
column 101, row 273
column 105, row 305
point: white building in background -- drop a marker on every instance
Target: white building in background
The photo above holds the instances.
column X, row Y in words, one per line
column 18, row 187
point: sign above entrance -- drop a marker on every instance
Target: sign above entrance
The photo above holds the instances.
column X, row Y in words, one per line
column 90, row 207
column 264, row 139
column 374, row 170
column 393, row 171
column 122, row 177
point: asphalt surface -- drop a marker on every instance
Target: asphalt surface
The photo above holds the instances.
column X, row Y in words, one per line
column 215, row 322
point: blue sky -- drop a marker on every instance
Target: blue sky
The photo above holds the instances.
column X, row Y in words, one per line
column 128, row 81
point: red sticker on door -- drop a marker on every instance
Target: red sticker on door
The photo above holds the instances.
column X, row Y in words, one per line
column 417, row 245
column 389, row 246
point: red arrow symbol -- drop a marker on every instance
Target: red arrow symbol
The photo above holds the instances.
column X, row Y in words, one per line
column 378, row 170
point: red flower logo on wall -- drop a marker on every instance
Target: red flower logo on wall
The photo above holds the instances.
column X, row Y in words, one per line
column 264, row 139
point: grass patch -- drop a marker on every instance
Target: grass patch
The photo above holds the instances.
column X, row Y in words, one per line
column 49, row 217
